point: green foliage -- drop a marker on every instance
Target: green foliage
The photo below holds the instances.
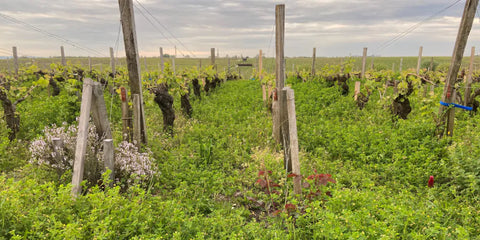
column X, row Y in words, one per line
column 207, row 186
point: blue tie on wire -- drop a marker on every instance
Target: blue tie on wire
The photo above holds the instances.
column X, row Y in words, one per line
column 456, row 105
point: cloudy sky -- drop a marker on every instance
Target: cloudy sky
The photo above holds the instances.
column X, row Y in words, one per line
column 235, row 27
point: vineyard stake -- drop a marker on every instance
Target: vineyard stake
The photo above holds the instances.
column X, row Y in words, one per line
column 285, row 131
column 357, row 90
column 260, row 76
column 364, row 62
column 81, row 146
column 279, row 69
column 112, row 62
column 126, row 117
column 133, row 62
column 293, row 146
column 419, row 62
column 62, row 52
column 451, row 116
column 90, row 64
column 313, row 61
column 173, row 61
column 212, row 57
column 136, row 120
column 108, row 159
column 468, row 86
column 15, row 60
column 401, row 65
column 460, row 43
column 162, row 65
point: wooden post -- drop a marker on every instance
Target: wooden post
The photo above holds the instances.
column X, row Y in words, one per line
column 89, row 64
column 460, row 43
column 364, row 62
column 99, row 112
column 212, row 56
column 127, row 124
column 292, row 126
column 260, row 76
column 468, row 86
column 279, row 70
column 173, row 61
column 81, row 147
column 313, row 60
column 357, row 90
column 162, row 64
column 136, row 120
column 451, row 116
column 133, row 63
column 112, row 62
column 401, row 65
column 108, row 159
column 57, row 149
column 285, row 131
column 62, row 51
column 393, row 67
column 15, row 60
column 228, row 65
column 419, row 62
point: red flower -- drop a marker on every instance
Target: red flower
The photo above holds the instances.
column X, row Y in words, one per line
column 290, row 207
column 430, row 182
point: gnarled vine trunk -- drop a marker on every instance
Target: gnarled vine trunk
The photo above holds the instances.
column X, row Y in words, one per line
column 11, row 117
column 196, row 88
column 165, row 102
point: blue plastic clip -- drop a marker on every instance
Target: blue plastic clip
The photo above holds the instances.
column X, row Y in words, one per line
column 456, row 105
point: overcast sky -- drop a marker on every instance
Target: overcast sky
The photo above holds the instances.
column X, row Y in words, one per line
column 241, row 27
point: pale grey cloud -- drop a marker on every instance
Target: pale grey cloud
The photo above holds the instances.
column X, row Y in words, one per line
column 335, row 27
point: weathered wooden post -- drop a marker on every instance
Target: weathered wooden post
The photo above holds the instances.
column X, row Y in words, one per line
column 419, row 61
column 81, row 146
column 112, row 62
column 57, row 149
column 468, row 85
column 313, row 60
column 62, row 51
column 285, row 131
column 173, row 61
column 99, row 112
column 279, row 70
column 393, row 67
column 293, row 140
column 89, row 64
column 460, row 43
column 136, row 120
column 212, row 56
column 364, row 62
column 401, row 65
column 162, row 64
column 127, row 124
column 451, row 116
column 108, row 159
column 260, row 76
column 357, row 90
column 15, row 60
column 133, row 63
